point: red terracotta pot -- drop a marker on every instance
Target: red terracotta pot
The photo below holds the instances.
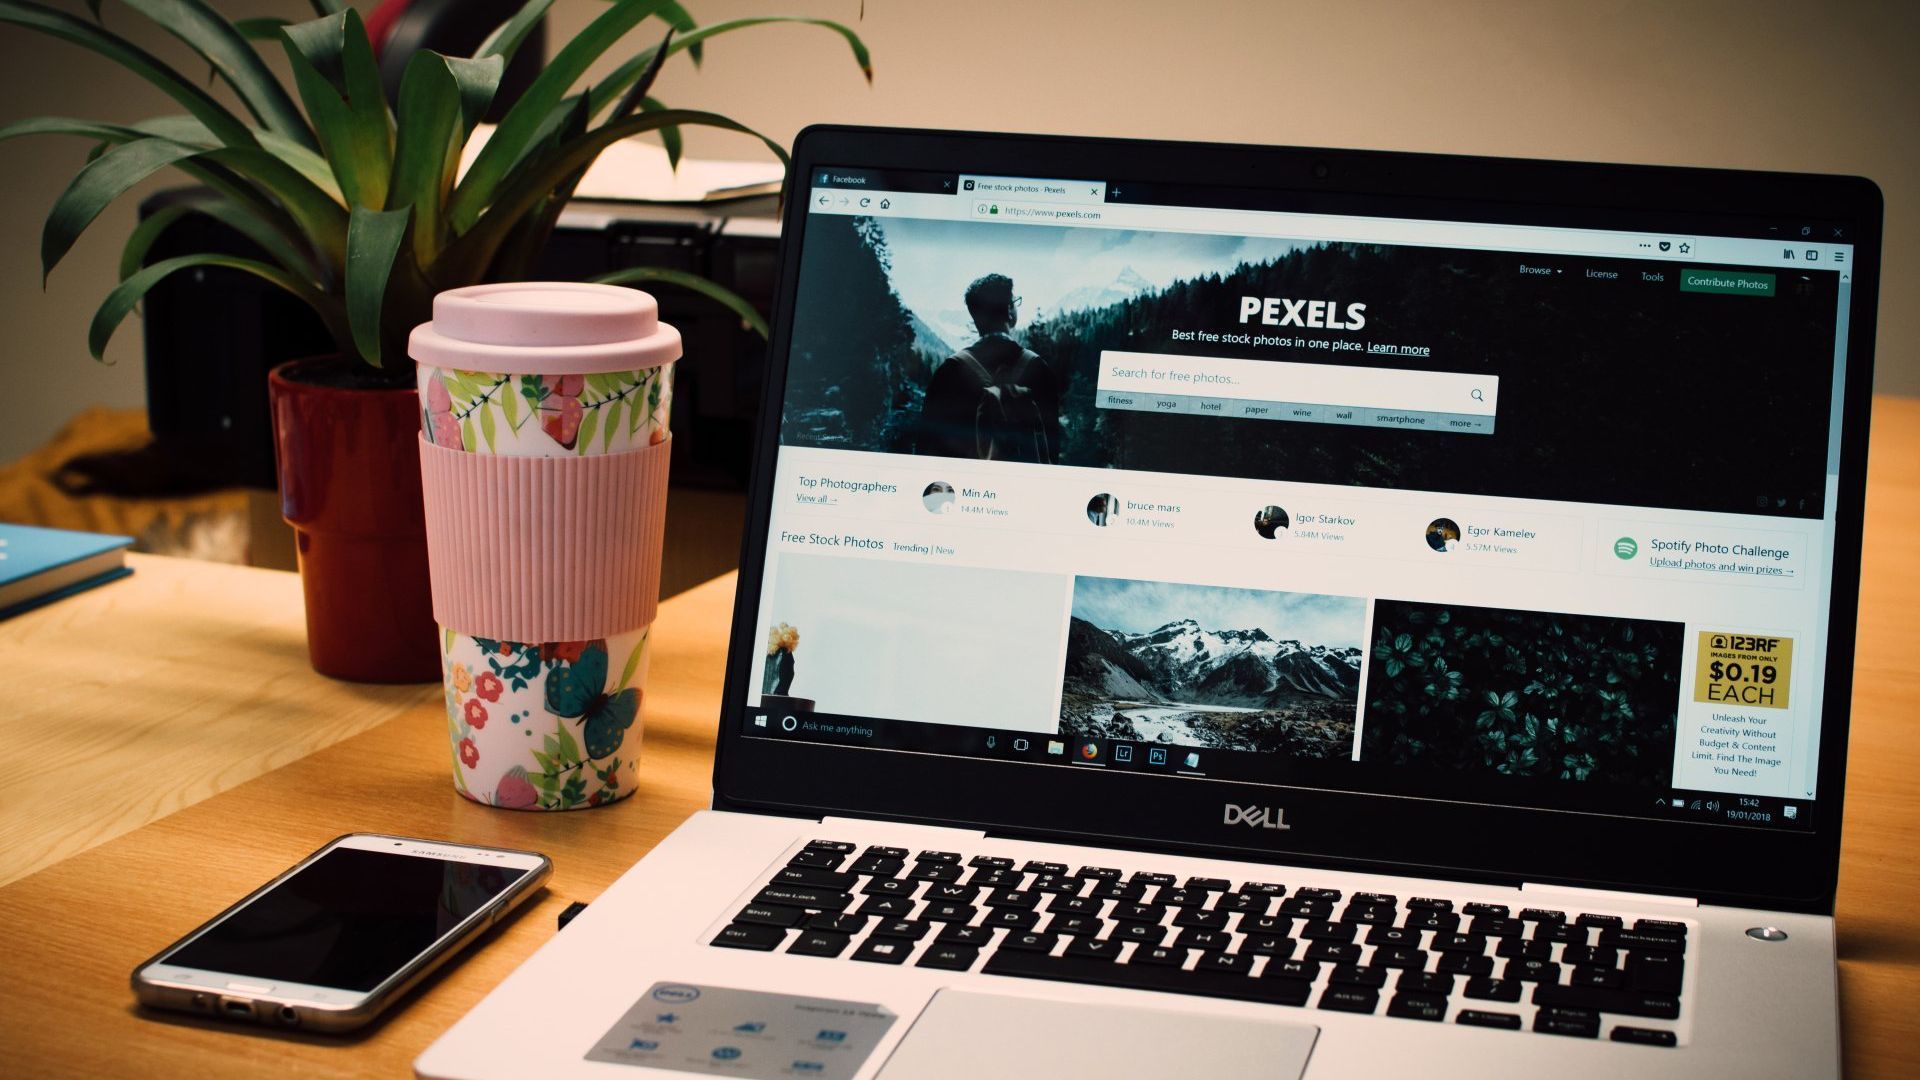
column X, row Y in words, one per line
column 348, row 456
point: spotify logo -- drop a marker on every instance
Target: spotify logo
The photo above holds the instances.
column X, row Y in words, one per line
column 1625, row 547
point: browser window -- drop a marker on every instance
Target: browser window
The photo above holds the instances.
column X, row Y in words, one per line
column 1080, row 473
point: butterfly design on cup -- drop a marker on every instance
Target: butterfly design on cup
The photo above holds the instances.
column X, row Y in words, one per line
column 578, row 691
column 442, row 427
column 560, row 408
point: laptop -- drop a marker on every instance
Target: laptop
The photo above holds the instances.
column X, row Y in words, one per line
column 1270, row 612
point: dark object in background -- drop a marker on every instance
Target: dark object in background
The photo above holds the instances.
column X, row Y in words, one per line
column 400, row 28
column 212, row 335
column 716, row 388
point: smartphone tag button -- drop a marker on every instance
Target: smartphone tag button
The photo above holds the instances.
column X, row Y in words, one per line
column 250, row 988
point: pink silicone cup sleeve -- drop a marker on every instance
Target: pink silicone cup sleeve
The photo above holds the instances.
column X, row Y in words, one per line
column 532, row 549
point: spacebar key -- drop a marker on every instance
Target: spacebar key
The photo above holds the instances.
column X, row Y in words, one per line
column 1168, row 980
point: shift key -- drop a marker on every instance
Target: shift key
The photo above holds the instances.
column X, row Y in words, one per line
column 1600, row 999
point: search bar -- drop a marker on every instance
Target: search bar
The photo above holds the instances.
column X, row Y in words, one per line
column 1302, row 393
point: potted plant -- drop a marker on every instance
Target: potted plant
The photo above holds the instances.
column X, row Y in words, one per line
column 364, row 213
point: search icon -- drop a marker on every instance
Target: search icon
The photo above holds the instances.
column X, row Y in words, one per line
column 1477, row 395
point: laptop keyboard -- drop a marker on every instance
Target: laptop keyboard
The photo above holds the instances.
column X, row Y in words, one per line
column 1419, row 958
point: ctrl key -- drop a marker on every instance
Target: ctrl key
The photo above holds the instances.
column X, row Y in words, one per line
column 750, row 936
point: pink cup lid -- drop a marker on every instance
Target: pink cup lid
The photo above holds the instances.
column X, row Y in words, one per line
column 545, row 328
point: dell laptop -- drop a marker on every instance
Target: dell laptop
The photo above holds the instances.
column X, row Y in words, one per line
column 1265, row 612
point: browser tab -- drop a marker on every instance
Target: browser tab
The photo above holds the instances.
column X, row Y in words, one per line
column 891, row 180
column 1032, row 190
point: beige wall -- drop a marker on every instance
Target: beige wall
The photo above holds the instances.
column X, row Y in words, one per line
column 1831, row 87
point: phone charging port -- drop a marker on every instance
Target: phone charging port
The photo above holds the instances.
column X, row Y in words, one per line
column 240, row 1010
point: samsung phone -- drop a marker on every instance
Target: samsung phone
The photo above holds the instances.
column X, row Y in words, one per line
column 332, row 942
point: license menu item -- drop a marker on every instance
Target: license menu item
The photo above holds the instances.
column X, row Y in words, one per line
column 747, row 1034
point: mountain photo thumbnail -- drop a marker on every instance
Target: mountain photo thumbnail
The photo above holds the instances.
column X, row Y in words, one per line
column 1207, row 666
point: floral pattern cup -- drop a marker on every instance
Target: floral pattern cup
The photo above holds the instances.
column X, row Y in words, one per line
column 544, row 725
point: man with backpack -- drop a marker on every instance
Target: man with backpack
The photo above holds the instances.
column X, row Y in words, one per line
column 993, row 400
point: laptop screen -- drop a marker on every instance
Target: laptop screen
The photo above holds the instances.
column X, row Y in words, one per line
column 1082, row 473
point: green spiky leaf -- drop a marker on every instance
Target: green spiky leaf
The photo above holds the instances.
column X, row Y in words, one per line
column 374, row 238
column 523, row 123
column 38, row 17
column 233, row 58
column 140, row 241
column 609, row 89
column 102, row 181
column 427, row 152
column 265, row 28
column 475, row 251
column 506, row 38
column 113, row 311
column 339, row 83
column 731, row 300
column 669, row 136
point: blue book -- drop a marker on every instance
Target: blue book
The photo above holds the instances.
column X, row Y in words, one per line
column 39, row 566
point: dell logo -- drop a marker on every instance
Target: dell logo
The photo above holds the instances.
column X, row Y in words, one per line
column 1260, row 817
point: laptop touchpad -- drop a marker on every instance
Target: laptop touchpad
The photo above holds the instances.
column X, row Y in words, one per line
column 965, row 1036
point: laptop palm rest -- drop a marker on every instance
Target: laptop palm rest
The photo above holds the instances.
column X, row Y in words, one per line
column 965, row 1036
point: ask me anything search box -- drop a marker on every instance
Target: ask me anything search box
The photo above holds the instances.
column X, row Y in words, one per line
column 1302, row 393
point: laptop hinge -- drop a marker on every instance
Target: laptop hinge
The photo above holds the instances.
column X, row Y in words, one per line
column 929, row 831
column 1607, row 896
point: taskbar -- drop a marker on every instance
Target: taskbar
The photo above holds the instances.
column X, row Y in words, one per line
column 794, row 719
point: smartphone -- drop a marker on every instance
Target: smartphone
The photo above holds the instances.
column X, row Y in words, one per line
column 329, row 944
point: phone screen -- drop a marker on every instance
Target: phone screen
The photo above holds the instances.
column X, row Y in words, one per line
column 349, row 920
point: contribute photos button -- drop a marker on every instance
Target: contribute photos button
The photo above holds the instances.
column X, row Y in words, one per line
column 1726, row 282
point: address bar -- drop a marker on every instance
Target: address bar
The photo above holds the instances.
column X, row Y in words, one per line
column 1203, row 219
column 986, row 208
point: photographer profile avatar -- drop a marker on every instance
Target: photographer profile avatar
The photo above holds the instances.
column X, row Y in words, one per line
column 938, row 498
column 1270, row 521
column 994, row 400
column 1100, row 506
column 1443, row 534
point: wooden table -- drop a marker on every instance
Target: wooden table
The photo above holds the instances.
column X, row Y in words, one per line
column 72, row 932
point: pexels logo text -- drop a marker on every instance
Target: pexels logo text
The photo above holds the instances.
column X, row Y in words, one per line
column 1318, row 314
column 1259, row 817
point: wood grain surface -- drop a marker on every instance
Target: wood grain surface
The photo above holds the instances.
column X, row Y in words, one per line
column 71, row 934
column 129, row 701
